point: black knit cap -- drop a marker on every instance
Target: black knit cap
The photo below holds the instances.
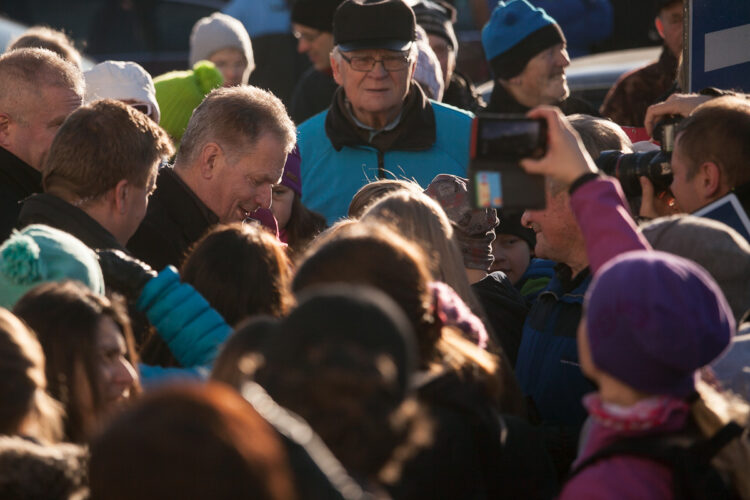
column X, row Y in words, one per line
column 662, row 4
column 510, row 223
column 437, row 18
column 317, row 14
column 374, row 24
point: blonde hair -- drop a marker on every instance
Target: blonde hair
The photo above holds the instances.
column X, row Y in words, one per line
column 712, row 411
column 422, row 220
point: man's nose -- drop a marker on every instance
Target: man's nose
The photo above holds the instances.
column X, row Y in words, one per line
column 378, row 71
column 526, row 219
column 264, row 197
column 563, row 59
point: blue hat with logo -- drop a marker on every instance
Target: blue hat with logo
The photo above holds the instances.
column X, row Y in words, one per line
column 515, row 33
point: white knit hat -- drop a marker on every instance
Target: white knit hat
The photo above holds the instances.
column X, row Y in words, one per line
column 428, row 73
column 121, row 80
column 219, row 31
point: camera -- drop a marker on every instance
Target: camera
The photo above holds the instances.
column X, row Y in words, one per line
column 655, row 165
column 498, row 143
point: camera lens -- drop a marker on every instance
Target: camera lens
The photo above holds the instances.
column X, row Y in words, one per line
column 629, row 167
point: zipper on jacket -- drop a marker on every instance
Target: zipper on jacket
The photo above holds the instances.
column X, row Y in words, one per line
column 381, row 165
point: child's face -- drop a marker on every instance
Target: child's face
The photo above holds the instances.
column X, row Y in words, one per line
column 512, row 256
column 281, row 205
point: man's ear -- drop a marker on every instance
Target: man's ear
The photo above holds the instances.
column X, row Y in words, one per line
column 336, row 69
column 5, row 130
column 119, row 196
column 210, row 153
column 712, row 181
column 659, row 26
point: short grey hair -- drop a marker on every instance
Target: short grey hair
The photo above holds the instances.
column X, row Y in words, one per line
column 236, row 116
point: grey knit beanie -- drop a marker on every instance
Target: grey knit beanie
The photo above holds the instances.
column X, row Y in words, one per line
column 721, row 250
column 219, row 31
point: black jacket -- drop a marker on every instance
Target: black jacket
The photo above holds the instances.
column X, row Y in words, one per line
column 461, row 93
column 312, row 95
column 476, row 453
column 17, row 182
column 502, row 102
column 176, row 218
column 505, row 310
column 45, row 208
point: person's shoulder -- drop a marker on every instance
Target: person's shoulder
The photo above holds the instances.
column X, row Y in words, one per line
column 640, row 479
column 442, row 109
column 315, row 122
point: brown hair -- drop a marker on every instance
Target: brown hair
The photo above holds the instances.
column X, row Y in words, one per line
column 199, row 441
column 372, row 254
column 65, row 317
column 22, row 392
column 240, row 356
column 101, row 144
column 304, row 225
column 237, row 116
column 241, row 270
column 373, row 191
column 44, row 37
column 25, row 72
column 718, row 131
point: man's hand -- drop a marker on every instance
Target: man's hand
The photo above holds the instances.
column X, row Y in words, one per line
column 653, row 206
column 566, row 159
column 123, row 273
column 676, row 104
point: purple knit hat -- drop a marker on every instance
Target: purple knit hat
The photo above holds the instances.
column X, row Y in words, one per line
column 654, row 319
column 474, row 228
column 291, row 177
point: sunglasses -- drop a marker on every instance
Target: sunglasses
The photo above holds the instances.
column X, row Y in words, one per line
column 144, row 108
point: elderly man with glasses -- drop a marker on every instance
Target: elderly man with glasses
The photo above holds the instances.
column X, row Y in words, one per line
column 379, row 124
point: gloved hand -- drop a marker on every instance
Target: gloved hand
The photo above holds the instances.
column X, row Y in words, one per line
column 123, row 273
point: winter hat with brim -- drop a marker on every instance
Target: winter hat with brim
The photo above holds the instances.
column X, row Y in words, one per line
column 316, row 14
column 219, row 31
column 38, row 254
column 121, row 80
column 180, row 92
column 653, row 319
column 474, row 228
column 516, row 32
column 721, row 250
column 352, row 328
column 374, row 24
column 437, row 18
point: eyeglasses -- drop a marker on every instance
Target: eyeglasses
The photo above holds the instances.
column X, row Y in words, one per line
column 143, row 107
column 367, row 63
column 308, row 37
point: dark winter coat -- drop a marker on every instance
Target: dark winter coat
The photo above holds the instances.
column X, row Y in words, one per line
column 627, row 101
column 502, row 102
column 45, row 208
column 462, row 94
column 312, row 94
column 176, row 218
column 477, row 453
column 17, row 182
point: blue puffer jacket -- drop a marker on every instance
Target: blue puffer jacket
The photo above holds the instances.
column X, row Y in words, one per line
column 547, row 367
column 191, row 328
column 332, row 174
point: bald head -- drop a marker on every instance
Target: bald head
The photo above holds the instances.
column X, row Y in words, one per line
column 38, row 90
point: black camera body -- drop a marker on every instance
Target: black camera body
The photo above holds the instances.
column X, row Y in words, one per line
column 498, row 143
column 655, row 165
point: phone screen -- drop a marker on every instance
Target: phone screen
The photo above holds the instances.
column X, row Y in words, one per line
column 510, row 137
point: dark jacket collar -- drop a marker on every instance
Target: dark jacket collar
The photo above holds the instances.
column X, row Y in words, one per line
column 183, row 204
column 414, row 132
column 743, row 194
column 44, row 208
column 17, row 176
column 502, row 102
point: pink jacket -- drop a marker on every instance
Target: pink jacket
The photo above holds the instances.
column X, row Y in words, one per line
column 606, row 224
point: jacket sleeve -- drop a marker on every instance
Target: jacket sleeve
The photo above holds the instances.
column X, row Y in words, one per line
column 606, row 224
column 192, row 329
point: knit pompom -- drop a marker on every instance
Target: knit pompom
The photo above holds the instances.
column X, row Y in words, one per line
column 207, row 76
column 20, row 260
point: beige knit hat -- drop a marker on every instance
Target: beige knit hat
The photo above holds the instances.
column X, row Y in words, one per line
column 219, row 31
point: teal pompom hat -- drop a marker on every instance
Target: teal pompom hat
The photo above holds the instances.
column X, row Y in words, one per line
column 38, row 254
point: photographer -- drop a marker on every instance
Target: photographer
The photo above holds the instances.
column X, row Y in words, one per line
column 711, row 149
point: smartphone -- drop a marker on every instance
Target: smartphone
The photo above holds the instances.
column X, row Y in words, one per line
column 498, row 144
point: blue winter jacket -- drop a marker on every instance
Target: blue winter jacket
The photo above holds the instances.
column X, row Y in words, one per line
column 191, row 328
column 547, row 367
column 336, row 162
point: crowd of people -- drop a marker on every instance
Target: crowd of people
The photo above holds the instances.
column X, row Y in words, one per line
column 206, row 293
